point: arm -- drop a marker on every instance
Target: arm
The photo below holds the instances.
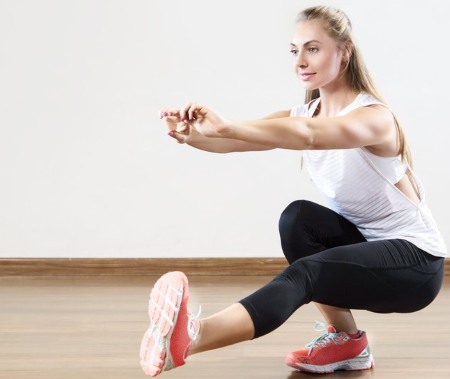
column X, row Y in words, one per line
column 367, row 126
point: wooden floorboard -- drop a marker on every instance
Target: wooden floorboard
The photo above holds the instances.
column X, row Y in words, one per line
column 144, row 266
column 90, row 327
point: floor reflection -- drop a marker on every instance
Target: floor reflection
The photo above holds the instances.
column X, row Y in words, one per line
column 337, row 374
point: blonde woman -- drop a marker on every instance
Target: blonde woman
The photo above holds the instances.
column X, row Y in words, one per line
column 375, row 243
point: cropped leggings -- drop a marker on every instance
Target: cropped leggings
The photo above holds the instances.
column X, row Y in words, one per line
column 332, row 263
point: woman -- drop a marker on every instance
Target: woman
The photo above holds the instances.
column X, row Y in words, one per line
column 376, row 243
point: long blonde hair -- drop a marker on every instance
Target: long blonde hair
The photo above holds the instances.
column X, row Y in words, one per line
column 339, row 27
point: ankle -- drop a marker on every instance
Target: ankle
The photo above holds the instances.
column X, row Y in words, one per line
column 351, row 331
column 194, row 347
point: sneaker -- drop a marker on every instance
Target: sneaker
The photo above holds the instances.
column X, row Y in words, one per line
column 172, row 326
column 331, row 352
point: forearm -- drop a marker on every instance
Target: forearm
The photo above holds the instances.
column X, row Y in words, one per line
column 285, row 133
column 217, row 143
column 212, row 145
column 229, row 145
column 224, row 145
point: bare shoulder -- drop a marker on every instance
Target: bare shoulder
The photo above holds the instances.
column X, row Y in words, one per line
column 375, row 115
column 381, row 111
column 381, row 120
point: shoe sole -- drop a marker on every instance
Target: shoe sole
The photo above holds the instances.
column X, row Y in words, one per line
column 163, row 309
column 353, row 364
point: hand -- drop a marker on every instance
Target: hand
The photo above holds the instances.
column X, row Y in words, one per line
column 204, row 120
column 178, row 129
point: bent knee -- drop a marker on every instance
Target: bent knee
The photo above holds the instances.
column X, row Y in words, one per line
column 292, row 214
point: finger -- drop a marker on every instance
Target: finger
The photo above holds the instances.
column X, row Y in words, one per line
column 182, row 127
column 201, row 111
column 168, row 112
column 171, row 122
column 179, row 137
column 192, row 110
column 197, row 110
column 184, row 110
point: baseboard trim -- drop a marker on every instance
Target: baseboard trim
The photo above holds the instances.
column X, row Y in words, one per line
column 145, row 266
column 138, row 266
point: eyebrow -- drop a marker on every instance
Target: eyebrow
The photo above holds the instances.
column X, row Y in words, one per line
column 306, row 43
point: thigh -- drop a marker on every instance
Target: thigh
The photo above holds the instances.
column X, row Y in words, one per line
column 307, row 228
column 380, row 276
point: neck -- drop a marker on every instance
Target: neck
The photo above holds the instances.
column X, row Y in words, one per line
column 333, row 100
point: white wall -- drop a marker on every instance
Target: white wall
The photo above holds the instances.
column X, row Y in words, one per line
column 87, row 169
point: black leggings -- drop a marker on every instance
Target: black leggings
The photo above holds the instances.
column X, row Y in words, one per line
column 332, row 263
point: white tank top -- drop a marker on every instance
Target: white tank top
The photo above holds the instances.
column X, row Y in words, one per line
column 360, row 186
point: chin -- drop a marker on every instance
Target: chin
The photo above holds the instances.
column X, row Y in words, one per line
column 309, row 86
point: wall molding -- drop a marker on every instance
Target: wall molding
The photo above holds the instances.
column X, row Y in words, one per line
column 140, row 266
column 145, row 266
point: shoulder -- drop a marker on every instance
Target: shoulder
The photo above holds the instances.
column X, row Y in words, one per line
column 372, row 111
column 374, row 116
column 378, row 121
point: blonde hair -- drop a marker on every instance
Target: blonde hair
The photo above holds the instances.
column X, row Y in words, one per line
column 338, row 26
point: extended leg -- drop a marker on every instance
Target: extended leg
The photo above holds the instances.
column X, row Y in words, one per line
column 228, row 327
column 376, row 276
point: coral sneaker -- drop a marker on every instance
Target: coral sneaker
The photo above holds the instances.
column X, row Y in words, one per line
column 331, row 352
column 172, row 326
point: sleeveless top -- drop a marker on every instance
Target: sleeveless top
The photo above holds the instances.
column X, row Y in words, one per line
column 359, row 185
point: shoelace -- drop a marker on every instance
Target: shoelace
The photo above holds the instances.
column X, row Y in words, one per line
column 192, row 330
column 322, row 340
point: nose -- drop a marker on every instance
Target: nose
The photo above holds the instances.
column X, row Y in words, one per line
column 300, row 60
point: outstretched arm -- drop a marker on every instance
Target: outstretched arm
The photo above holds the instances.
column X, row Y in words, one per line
column 367, row 126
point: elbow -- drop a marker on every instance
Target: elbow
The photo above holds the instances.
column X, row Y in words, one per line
column 301, row 135
column 309, row 143
column 306, row 139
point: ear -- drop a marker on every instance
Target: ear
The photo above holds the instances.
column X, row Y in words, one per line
column 347, row 51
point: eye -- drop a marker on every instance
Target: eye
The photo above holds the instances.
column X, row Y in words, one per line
column 313, row 49
column 294, row 52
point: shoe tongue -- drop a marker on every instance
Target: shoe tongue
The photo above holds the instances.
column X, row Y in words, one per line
column 331, row 329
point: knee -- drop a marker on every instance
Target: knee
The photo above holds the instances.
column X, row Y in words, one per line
column 427, row 293
column 293, row 219
column 290, row 216
column 293, row 227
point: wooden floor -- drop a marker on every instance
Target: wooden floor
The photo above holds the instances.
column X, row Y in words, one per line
column 91, row 327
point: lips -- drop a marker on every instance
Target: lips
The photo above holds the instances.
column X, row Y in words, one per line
column 306, row 75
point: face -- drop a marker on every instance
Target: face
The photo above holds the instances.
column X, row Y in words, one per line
column 317, row 57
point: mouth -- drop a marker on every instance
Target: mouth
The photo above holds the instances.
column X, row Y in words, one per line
column 306, row 75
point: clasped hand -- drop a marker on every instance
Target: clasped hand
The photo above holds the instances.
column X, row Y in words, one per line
column 193, row 119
